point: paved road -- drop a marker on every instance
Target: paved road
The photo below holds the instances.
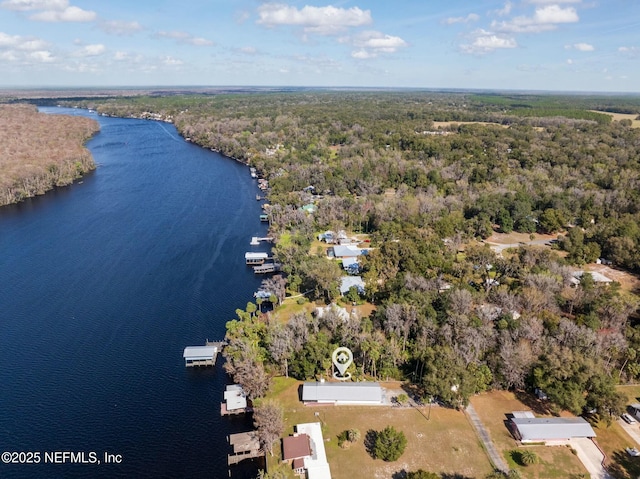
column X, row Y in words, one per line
column 632, row 429
column 494, row 455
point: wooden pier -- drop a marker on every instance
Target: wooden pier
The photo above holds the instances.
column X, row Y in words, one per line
column 267, row 268
column 246, row 445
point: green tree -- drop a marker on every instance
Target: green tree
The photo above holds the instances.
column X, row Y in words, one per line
column 389, row 444
column 422, row 474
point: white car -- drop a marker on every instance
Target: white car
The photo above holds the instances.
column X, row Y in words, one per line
column 628, row 419
column 632, row 451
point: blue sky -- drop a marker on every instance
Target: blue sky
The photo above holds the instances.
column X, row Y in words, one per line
column 572, row 45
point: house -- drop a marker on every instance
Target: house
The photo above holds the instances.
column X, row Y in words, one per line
column 342, row 393
column 345, row 251
column 546, row 429
column 347, row 282
column 351, row 265
column 294, row 450
column 315, row 465
column 597, row 277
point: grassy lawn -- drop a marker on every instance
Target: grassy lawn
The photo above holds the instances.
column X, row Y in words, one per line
column 445, row 442
column 555, row 461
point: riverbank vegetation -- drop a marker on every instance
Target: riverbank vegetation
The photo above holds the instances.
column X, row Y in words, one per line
column 449, row 314
column 39, row 152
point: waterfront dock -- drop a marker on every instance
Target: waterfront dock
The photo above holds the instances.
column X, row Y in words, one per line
column 267, row 268
column 246, row 445
column 195, row 356
column 255, row 240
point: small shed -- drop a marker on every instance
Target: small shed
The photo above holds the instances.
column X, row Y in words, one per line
column 364, row 393
column 200, row 355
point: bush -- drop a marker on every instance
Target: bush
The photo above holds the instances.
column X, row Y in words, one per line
column 528, row 457
column 389, row 444
column 348, row 437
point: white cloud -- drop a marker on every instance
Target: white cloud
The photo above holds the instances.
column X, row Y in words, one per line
column 22, row 43
column 556, row 2
column 118, row 27
column 506, row 10
column 43, row 56
column 544, row 19
column 170, row 61
column 631, row 52
column 370, row 44
column 50, row 10
column 486, row 42
column 69, row 14
column 248, row 50
column 327, row 20
column 472, row 17
column 29, row 5
column 8, row 40
column 582, row 47
column 569, row 61
column 184, row 37
column 91, row 50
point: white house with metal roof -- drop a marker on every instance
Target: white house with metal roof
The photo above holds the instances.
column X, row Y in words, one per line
column 544, row 429
column 362, row 393
column 316, row 464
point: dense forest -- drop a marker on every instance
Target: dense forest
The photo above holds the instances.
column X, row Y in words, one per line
column 39, row 152
column 425, row 178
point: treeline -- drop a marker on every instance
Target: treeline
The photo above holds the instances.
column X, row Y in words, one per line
column 450, row 315
column 39, row 152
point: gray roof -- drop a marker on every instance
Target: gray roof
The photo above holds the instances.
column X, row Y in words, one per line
column 551, row 428
column 346, row 282
column 345, row 251
column 199, row 352
column 256, row 255
column 342, row 392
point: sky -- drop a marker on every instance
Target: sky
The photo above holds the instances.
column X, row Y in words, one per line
column 552, row 45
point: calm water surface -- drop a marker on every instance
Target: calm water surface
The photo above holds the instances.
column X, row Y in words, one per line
column 102, row 285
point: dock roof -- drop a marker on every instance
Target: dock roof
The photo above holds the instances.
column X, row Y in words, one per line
column 256, row 255
column 197, row 353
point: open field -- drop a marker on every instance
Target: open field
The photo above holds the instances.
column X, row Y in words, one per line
column 555, row 461
column 622, row 116
column 440, row 440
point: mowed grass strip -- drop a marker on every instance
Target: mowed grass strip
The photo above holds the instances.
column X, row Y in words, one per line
column 441, row 441
column 555, row 461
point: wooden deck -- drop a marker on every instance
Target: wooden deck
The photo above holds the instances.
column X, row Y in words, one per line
column 246, row 445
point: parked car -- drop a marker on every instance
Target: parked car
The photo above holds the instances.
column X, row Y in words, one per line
column 632, row 451
column 628, row 419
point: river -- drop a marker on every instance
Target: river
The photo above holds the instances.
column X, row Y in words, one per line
column 103, row 283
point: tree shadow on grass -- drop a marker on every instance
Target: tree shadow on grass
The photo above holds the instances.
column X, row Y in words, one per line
column 399, row 475
column 370, row 442
column 536, row 405
column 446, row 475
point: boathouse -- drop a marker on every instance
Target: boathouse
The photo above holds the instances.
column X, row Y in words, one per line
column 235, row 401
column 255, row 258
column 200, row 355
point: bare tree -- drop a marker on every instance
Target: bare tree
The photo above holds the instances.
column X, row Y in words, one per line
column 268, row 419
